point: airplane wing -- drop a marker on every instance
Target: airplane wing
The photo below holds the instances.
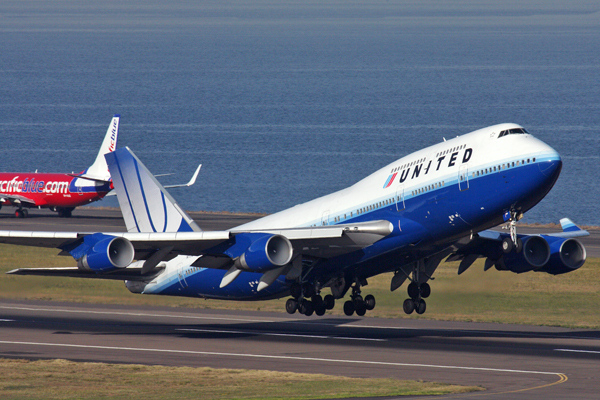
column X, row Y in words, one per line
column 324, row 242
column 159, row 230
column 533, row 251
column 129, row 274
column 15, row 198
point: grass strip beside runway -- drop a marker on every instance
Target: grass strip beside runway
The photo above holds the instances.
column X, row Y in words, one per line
column 61, row 379
column 569, row 300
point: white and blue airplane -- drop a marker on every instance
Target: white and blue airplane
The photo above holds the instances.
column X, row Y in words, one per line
column 434, row 204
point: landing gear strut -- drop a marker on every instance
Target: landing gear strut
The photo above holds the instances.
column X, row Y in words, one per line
column 512, row 243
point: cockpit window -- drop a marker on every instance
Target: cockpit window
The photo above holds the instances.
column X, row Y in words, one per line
column 512, row 132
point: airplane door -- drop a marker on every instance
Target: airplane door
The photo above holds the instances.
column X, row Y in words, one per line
column 400, row 198
column 79, row 187
column 182, row 280
column 463, row 178
column 325, row 218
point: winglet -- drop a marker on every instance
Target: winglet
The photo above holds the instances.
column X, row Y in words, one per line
column 145, row 204
column 568, row 225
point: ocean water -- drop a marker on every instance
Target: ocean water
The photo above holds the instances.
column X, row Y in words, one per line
column 286, row 101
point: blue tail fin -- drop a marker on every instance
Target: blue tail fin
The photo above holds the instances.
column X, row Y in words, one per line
column 145, row 204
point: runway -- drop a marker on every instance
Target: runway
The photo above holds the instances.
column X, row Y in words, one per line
column 510, row 361
column 517, row 362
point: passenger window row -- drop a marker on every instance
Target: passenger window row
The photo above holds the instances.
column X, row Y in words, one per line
column 508, row 165
column 429, row 187
column 452, row 150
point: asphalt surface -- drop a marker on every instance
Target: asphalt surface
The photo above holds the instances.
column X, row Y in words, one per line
column 510, row 361
column 516, row 362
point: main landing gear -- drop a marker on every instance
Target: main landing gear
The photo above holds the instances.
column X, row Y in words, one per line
column 64, row 212
column 21, row 213
column 307, row 301
column 300, row 300
column 416, row 293
column 357, row 304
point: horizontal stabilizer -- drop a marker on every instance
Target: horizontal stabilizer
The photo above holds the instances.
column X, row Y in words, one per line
column 190, row 183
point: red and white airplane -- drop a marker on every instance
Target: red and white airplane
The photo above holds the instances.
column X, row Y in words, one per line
column 60, row 192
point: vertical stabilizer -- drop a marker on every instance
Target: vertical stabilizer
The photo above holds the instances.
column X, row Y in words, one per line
column 145, row 204
column 99, row 170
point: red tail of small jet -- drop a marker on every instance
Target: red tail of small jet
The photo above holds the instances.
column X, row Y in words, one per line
column 60, row 192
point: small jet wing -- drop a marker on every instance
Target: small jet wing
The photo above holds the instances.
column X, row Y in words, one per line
column 15, row 198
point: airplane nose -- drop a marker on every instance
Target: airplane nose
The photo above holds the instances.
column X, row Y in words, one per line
column 551, row 168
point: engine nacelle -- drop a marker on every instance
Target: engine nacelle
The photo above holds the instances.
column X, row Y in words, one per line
column 567, row 255
column 535, row 254
column 266, row 253
column 103, row 253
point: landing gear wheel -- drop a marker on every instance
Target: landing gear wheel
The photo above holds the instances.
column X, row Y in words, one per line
column 307, row 308
column 308, row 290
column 320, row 311
column 361, row 310
column 329, row 302
column 291, row 306
column 349, row 308
column 507, row 245
column 519, row 246
column 420, row 309
column 408, row 306
column 21, row 213
column 425, row 290
column 370, row 302
column 413, row 290
column 296, row 290
column 317, row 301
column 358, row 300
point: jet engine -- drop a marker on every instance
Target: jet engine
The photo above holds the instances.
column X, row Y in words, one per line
column 567, row 255
column 535, row 254
column 554, row 255
column 103, row 253
column 266, row 253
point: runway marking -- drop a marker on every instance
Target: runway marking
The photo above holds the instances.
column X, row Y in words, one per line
column 131, row 314
column 7, row 320
column 280, row 334
column 275, row 357
column 562, row 378
column 578, row 351
column 311, row 323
